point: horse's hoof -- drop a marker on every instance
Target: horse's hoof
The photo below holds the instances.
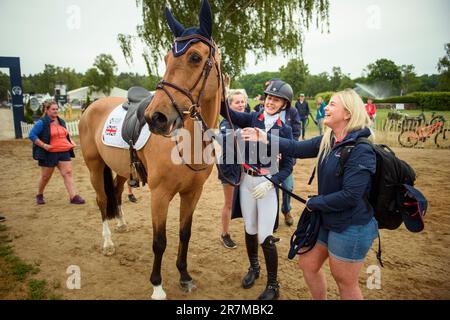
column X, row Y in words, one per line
column 109, row 251
column 122, row 229
column 187, row 286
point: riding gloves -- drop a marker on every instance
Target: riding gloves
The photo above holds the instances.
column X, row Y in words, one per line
column 261, row 189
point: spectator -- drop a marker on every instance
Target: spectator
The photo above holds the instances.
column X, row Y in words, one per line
column 303, row 112
column 320, row 115
column 53, row 147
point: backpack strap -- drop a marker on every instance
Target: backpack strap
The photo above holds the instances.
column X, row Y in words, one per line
column 345, row 153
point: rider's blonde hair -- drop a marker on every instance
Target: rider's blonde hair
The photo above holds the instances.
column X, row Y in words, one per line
column 359, row 119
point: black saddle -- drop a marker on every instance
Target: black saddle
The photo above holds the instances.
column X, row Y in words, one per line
column 138, row 100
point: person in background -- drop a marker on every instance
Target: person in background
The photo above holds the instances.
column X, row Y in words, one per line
column 260, row 106
column 320, row 115
column 291, row 118
column 131, row 196
column 371, row 109
column 53, row 147
column 229, row 171
column 303, row 112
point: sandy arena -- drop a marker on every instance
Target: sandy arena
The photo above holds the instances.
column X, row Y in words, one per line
column 58, row 234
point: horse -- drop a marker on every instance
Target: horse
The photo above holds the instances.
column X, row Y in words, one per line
column 173, row 107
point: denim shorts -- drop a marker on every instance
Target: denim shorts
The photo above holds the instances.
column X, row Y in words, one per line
column 53, row 158
column 352, row 244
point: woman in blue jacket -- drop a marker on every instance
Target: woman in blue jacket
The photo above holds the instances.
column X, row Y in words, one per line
column 348, row 226
column 256, row 198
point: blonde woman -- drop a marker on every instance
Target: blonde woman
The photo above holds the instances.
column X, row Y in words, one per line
column 348, row 226
column 237, row 101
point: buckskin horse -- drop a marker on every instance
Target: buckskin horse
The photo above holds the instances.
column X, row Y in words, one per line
column 194, row 62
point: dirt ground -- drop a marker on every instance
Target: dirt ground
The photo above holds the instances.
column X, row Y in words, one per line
column 58, row 235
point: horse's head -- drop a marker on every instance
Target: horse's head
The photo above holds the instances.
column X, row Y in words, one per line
column 192, row 77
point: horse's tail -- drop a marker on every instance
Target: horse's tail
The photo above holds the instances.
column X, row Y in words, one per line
column 112, row 208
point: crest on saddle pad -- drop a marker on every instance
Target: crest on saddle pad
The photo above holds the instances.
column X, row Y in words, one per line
column 205, row 30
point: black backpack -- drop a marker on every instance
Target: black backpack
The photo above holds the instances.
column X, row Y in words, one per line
column 387, row 192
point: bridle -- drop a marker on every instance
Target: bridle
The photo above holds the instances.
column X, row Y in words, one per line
column 194, row 111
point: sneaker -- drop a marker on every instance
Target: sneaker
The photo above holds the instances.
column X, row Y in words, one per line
column 77, row 200
column 227, row 242
column 2, row 218
column 132, row 198
column 40, row 199
column 288, row 219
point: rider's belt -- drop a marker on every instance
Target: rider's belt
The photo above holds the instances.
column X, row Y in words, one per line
column 251, row 172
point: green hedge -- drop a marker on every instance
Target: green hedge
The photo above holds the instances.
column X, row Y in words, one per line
column 427, row 100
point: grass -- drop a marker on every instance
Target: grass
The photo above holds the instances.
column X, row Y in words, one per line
column 14, row 271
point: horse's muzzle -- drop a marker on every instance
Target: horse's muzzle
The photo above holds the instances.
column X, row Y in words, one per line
column 159, row 124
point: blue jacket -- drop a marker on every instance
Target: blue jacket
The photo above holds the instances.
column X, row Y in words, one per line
column 341, row 198
column 41, row 130
column 302, row 109
column 293, row 120
column 256, row 120
column 321, row 111
column 231, row 171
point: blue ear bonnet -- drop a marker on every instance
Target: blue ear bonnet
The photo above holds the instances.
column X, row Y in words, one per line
column 178, row 30
column 180, row 47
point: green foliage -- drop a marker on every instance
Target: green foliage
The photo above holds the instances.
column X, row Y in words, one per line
column 128, row 80
column 101, row 76
column 37, row 289
column 260, row 26
column 44, row 82
column 295, row 73
column 254, row 84
column 386, row 74
column 444, row 69
column 439, row 101
column 410, row 82
column 28, row 112
column 326, row 96
column 4, row 86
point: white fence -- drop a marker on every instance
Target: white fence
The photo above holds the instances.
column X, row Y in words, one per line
column 72, row 127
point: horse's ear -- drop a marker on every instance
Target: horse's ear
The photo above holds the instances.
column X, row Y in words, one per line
column 176, row 27
column 205, row 18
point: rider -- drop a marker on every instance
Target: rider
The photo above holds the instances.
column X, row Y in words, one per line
column 256, row 199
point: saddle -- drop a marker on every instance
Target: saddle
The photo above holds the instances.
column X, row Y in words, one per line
column 138, row 100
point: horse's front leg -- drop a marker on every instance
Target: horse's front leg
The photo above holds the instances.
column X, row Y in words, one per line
column 160, row 205
column 187, row 206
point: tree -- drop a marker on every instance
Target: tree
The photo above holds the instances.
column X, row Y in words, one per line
column 410, row 82
column 5, row 85
column 101, row 76
column 317, row 83
column 260, row 26
column 386, row 75
column 444, row 69
column 254, row 84
column 295, row 74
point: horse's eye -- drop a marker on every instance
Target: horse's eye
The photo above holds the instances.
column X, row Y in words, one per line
column 195, row 58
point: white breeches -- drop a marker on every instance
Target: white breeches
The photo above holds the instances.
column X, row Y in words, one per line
column 259, row 215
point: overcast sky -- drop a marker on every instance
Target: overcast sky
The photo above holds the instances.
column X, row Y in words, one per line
column 71, row 33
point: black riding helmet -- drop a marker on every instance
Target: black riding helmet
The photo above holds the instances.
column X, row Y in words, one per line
column 281, row 89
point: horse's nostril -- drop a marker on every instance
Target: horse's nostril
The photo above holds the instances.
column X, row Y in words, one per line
column 158, row 119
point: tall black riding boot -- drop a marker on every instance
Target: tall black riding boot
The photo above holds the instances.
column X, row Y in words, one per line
column 251, row 242
column 272, row 290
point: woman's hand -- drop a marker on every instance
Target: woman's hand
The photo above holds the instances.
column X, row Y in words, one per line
column 254, row 134
column 47, row 147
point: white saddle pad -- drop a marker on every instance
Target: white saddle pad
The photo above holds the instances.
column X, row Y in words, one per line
column 112, row 131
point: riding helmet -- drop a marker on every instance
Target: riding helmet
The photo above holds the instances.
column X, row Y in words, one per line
column 281, row 89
